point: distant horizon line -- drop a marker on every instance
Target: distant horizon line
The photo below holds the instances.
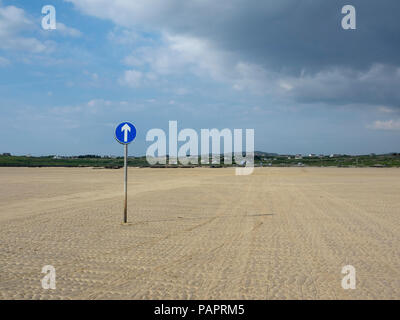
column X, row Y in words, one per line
column 256, row 153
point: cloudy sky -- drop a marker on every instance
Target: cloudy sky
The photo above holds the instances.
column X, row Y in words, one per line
column 284, row 68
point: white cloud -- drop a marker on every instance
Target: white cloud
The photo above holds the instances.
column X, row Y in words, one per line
column 94, row 76
column 385, row 109
column 13, row 21
column 68, row 31
column 133, row 61
column 124, row 36
column 4, row 62
column 185, row 54
column 182, row 91
column 391, row 125
column 179, row 55
column 123, row 12
column 132, row 78
column 378, row 83
column 99, row 103
column 90, row 107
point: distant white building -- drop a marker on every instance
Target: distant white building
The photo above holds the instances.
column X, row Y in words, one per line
column 298, row 156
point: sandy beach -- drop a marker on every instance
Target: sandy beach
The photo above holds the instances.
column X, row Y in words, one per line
column 281, row 233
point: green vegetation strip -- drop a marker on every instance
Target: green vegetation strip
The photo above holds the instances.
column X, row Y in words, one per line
column 391, row 160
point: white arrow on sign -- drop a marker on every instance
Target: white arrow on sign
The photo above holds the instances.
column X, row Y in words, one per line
column 125, row 129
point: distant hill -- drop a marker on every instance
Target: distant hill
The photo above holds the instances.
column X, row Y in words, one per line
column 265, row 154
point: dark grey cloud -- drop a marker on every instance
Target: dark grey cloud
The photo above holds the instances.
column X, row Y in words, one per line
column 288, row 38
column 292, row 35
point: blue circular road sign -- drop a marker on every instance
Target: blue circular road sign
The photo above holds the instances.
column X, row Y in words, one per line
column 125, row 133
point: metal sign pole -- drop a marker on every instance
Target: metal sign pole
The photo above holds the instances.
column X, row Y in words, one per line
column 126, row 184
column 125, row 133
